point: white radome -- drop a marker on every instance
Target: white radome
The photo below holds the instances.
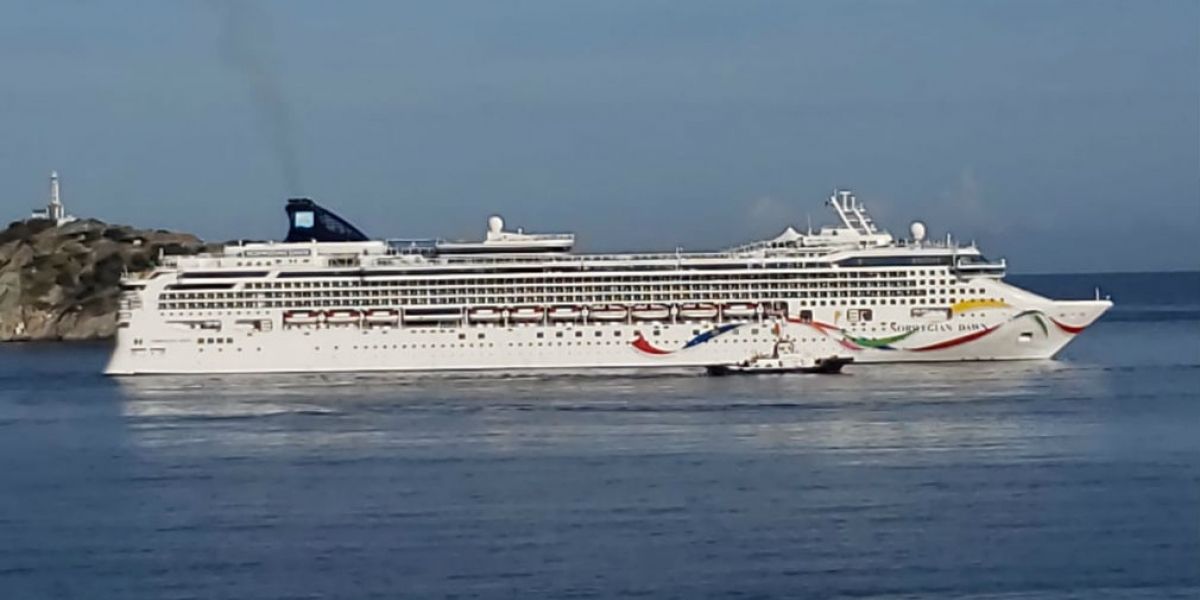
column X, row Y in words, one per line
column 917, row 229
column 495, row 224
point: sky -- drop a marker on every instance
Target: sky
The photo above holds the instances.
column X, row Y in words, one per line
column 1062, row 135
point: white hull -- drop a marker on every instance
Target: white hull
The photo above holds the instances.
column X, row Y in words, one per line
column 997, row 335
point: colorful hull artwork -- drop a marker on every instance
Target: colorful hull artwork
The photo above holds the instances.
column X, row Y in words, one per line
column 893, row 342
column 644, row 345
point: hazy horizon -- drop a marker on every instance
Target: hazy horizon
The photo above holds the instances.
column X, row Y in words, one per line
column 1063, row 136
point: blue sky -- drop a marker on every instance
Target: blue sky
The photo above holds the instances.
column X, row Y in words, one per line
column 1062, row 135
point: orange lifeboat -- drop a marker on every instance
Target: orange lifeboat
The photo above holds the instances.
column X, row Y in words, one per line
column 698, row 311
column 526, row 314
column 342, row 316
column 565, row 313
column 382, row 316
column 607, row 312
column 651, row 312
column 485, row 315
column 742, row 310
column 302, row 317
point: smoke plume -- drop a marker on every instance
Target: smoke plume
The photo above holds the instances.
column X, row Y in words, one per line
column 244, row 31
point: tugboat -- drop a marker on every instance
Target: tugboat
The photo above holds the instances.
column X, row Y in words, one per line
column 783, row 359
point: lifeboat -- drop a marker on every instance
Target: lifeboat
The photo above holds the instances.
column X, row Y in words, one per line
column 565, row 313
column 382, row 316
column 302, row 317
column 651, row 312
column 608, row 312
column 526, row 314
column 697, row 311
column 342, row 316
column 740, row 310
column 485, row 315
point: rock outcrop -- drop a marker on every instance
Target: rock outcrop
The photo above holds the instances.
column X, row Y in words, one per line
column 63, row 282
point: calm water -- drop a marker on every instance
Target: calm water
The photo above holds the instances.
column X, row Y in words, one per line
column 1078, row 478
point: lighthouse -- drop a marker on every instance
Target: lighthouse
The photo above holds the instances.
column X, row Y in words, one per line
column 54, row 211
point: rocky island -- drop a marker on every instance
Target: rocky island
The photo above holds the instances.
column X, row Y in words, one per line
column 62, row 281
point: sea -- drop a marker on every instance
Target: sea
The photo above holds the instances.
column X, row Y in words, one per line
column 1073, row 478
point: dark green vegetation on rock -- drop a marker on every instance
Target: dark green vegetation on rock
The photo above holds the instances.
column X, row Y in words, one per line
column 63, row 283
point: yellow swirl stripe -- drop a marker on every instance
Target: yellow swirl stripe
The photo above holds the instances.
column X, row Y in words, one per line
column 970, row 305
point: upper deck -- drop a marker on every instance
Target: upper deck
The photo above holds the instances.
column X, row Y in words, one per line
column 855, row 242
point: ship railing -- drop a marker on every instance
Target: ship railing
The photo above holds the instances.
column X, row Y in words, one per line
column 980, row 266
column 533, row 236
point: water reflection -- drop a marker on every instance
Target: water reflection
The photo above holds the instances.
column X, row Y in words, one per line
column 876, row 413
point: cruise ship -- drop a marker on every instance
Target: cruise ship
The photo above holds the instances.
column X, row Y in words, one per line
column 328, row 298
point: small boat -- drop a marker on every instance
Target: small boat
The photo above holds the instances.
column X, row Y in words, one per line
column 783, row 359
column 382, row 316
column 526, row 314
column 697, row 311
column 485, row 315
column 342, row 316
column 787, row 363
column 302, row 317
column 609, row 312
column 651, row 312
column 565, row 313
column 739, row 310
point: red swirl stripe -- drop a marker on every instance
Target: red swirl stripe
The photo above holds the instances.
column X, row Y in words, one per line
column 955, row 341
column 641, row 344
column 1071, row 329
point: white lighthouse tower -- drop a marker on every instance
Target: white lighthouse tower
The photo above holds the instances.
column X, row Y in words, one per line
column 54, row 211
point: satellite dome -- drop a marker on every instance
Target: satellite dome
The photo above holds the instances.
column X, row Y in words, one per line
column 917, row 229
column 495, row 224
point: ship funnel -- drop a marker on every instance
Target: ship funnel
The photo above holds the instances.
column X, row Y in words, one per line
column 310, row 222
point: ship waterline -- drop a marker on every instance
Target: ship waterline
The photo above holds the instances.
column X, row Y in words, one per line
column 330, row 299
